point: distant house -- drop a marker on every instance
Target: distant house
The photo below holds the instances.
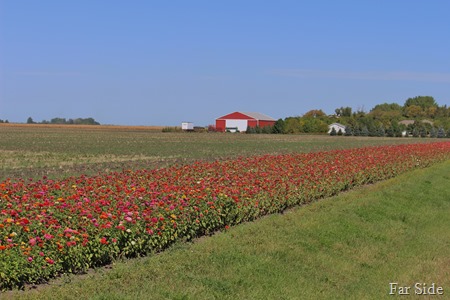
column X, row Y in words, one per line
column 406, row 122
column 239, row 121
column 428, row 122
column 187, row 126
column 337, row 127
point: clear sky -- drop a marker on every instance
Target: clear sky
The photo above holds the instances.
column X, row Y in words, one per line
column 163, row 62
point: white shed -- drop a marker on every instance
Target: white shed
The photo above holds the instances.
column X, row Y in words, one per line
column 187, row 126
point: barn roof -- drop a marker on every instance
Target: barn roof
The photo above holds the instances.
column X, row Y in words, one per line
column 408, row 122
column 258, row 116
column 337, row 124
column 252, row 115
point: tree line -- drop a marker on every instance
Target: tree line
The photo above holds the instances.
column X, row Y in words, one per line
column 421, row 116
column 77, row 121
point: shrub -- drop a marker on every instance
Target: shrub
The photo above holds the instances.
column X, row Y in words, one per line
column 333, row 131
column 172, row 129
column 348, row 131
column 365, row 131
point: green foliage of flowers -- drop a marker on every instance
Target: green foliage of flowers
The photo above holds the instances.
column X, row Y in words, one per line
column 49, row 227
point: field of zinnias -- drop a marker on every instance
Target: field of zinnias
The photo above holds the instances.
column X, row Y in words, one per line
column 49, row 227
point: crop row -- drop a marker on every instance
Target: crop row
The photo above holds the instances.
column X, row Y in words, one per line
column 49, row 227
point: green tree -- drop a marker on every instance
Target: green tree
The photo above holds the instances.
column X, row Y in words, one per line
column 30, row 120
column 333, row 131
column 433, row 132
column 390, row 132
column 431, row 112
column 365, row 131
column 442, row 112
column 398, row 131
column 343, row 111
column 423, row 101
column 421, row 129
column 314, row 125
column 423, row 132
column 315, row 113
column 387, row 107
column 266, row 129
column 292, row 125
column 441, row 133
column 381, row 132
column 348, row 130
column 386, row 113
column 414, row 111
column 346, row 111
column 278, row 127
column 58, row 121
column 87, row 121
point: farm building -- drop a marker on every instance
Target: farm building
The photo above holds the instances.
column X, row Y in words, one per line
column 239, row 121
column 337, row 127
column 187, row 126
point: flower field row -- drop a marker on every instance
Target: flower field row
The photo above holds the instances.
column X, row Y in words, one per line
column 49, row 227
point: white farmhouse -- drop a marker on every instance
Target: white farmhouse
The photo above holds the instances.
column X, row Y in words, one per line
column 337, row 127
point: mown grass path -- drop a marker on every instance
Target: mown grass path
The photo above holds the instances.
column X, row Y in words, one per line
column 346, row 247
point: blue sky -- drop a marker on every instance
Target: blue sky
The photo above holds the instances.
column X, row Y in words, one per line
column 163, row 62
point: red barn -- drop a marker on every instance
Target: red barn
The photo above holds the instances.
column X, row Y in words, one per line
column 241, row 120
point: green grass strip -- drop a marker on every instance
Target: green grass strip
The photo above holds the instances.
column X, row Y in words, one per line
column 346, row 247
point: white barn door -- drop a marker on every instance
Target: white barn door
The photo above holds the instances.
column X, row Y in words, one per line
column 240, row 124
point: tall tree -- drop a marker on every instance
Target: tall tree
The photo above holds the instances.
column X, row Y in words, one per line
column 414, row 111
column 423, row 101
column 387, row 107
column 315, row 113
column 278, row 127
